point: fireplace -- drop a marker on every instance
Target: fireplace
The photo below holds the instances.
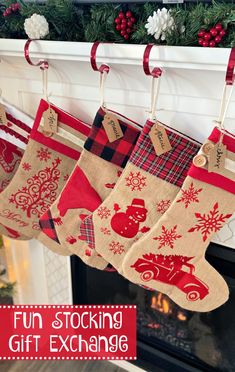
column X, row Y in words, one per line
column 168, row 336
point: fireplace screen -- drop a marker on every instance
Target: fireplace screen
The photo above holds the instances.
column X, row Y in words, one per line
column 203, row 340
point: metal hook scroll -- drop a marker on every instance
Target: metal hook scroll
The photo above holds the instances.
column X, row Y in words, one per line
column 103, row 70
column 44, row 65
column 156, row 73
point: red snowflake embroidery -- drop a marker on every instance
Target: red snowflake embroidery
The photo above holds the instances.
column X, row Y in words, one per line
column 163, row 205
column 66, row 177
column 135, row 181
column 44, row 154
column 105, row 231
column 112, row 185
column 71, row 239
column 189, row 196
column 4, row 184
column 168, row 237
column 211, row 222
column 26, row 166
column 88, row 252
column 36, row 226
column 40, row 192
column 116, row 247
column 103, row 212
column 57, row 221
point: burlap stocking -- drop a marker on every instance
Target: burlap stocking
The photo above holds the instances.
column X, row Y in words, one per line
column 10, row 154
column 145, row 190
column 92, row 180
column 43, row 171
column 171, row 257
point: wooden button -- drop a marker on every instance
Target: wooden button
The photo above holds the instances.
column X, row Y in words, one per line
column 207, row 147
column 199, row 161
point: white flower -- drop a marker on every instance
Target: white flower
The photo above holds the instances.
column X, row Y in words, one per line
column 36, row 27
column 160, row 23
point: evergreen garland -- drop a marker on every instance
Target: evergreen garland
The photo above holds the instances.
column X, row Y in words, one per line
column 69, row 21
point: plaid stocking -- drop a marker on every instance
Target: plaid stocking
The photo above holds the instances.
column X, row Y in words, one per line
column 171, row 257
column 10, row 154
column 93, row 178
column 42, row 173
column 147, row 187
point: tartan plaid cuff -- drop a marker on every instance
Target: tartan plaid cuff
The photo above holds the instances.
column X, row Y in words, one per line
column 117, row 152
column 87, row 232
column 171, row 166
column 47, row 225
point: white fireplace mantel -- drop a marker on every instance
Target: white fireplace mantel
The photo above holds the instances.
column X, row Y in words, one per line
column 211, row 59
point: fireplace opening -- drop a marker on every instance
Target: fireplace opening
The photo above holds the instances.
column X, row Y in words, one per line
column 168, row 335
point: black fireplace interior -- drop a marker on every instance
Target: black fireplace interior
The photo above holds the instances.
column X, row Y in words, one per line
column 169, row 337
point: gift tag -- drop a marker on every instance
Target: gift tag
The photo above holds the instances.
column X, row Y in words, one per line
column 3, row 117
column 112, row 127
column 160, row 139
column 217, row 157
column 50, row 121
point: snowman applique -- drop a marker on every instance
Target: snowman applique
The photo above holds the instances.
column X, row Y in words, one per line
column 127, row 224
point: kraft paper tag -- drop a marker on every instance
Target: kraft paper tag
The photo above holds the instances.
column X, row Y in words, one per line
column 50, row 121
column 3, row 117
column 217, row 158
column 159, row 139
column 112, row 127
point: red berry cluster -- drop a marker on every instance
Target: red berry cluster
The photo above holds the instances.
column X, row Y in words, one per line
column 124, row 24
column 11, row 9
column 211, row 38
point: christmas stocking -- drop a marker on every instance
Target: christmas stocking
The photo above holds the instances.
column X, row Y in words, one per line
column 93, row 178
column 171, row 257
column 146, row 189
column 43, row 171
column 10, row 154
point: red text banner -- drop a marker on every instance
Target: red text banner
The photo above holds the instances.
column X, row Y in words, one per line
column 67, row 332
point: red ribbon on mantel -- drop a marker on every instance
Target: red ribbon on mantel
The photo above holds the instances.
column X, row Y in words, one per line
column 103, row 67
column 230, row 68
column 42, row 63
column 156, row 71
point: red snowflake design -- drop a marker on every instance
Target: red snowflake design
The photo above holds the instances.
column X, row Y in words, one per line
column 26, row 166
column 44, row 154
column 209, row 223
column 105, row 231
column 57, row 221
column 135, row 181
column 71, row 239
column 168, row 237
column 40, row 191
column 116, row 247
column 163, row 205
column 189, row 196
column 112, row 185
column 103, row 212
column 88, row 252
column 66, row 177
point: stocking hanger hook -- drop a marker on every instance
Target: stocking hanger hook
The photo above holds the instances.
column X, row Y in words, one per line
column 44, row 65
column 229, row 84
column 156, row 73
column 103, row 69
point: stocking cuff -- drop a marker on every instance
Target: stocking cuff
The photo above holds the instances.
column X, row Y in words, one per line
column 79, row 128
column 226, row 178
column 117, row 152
column 171, row 166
